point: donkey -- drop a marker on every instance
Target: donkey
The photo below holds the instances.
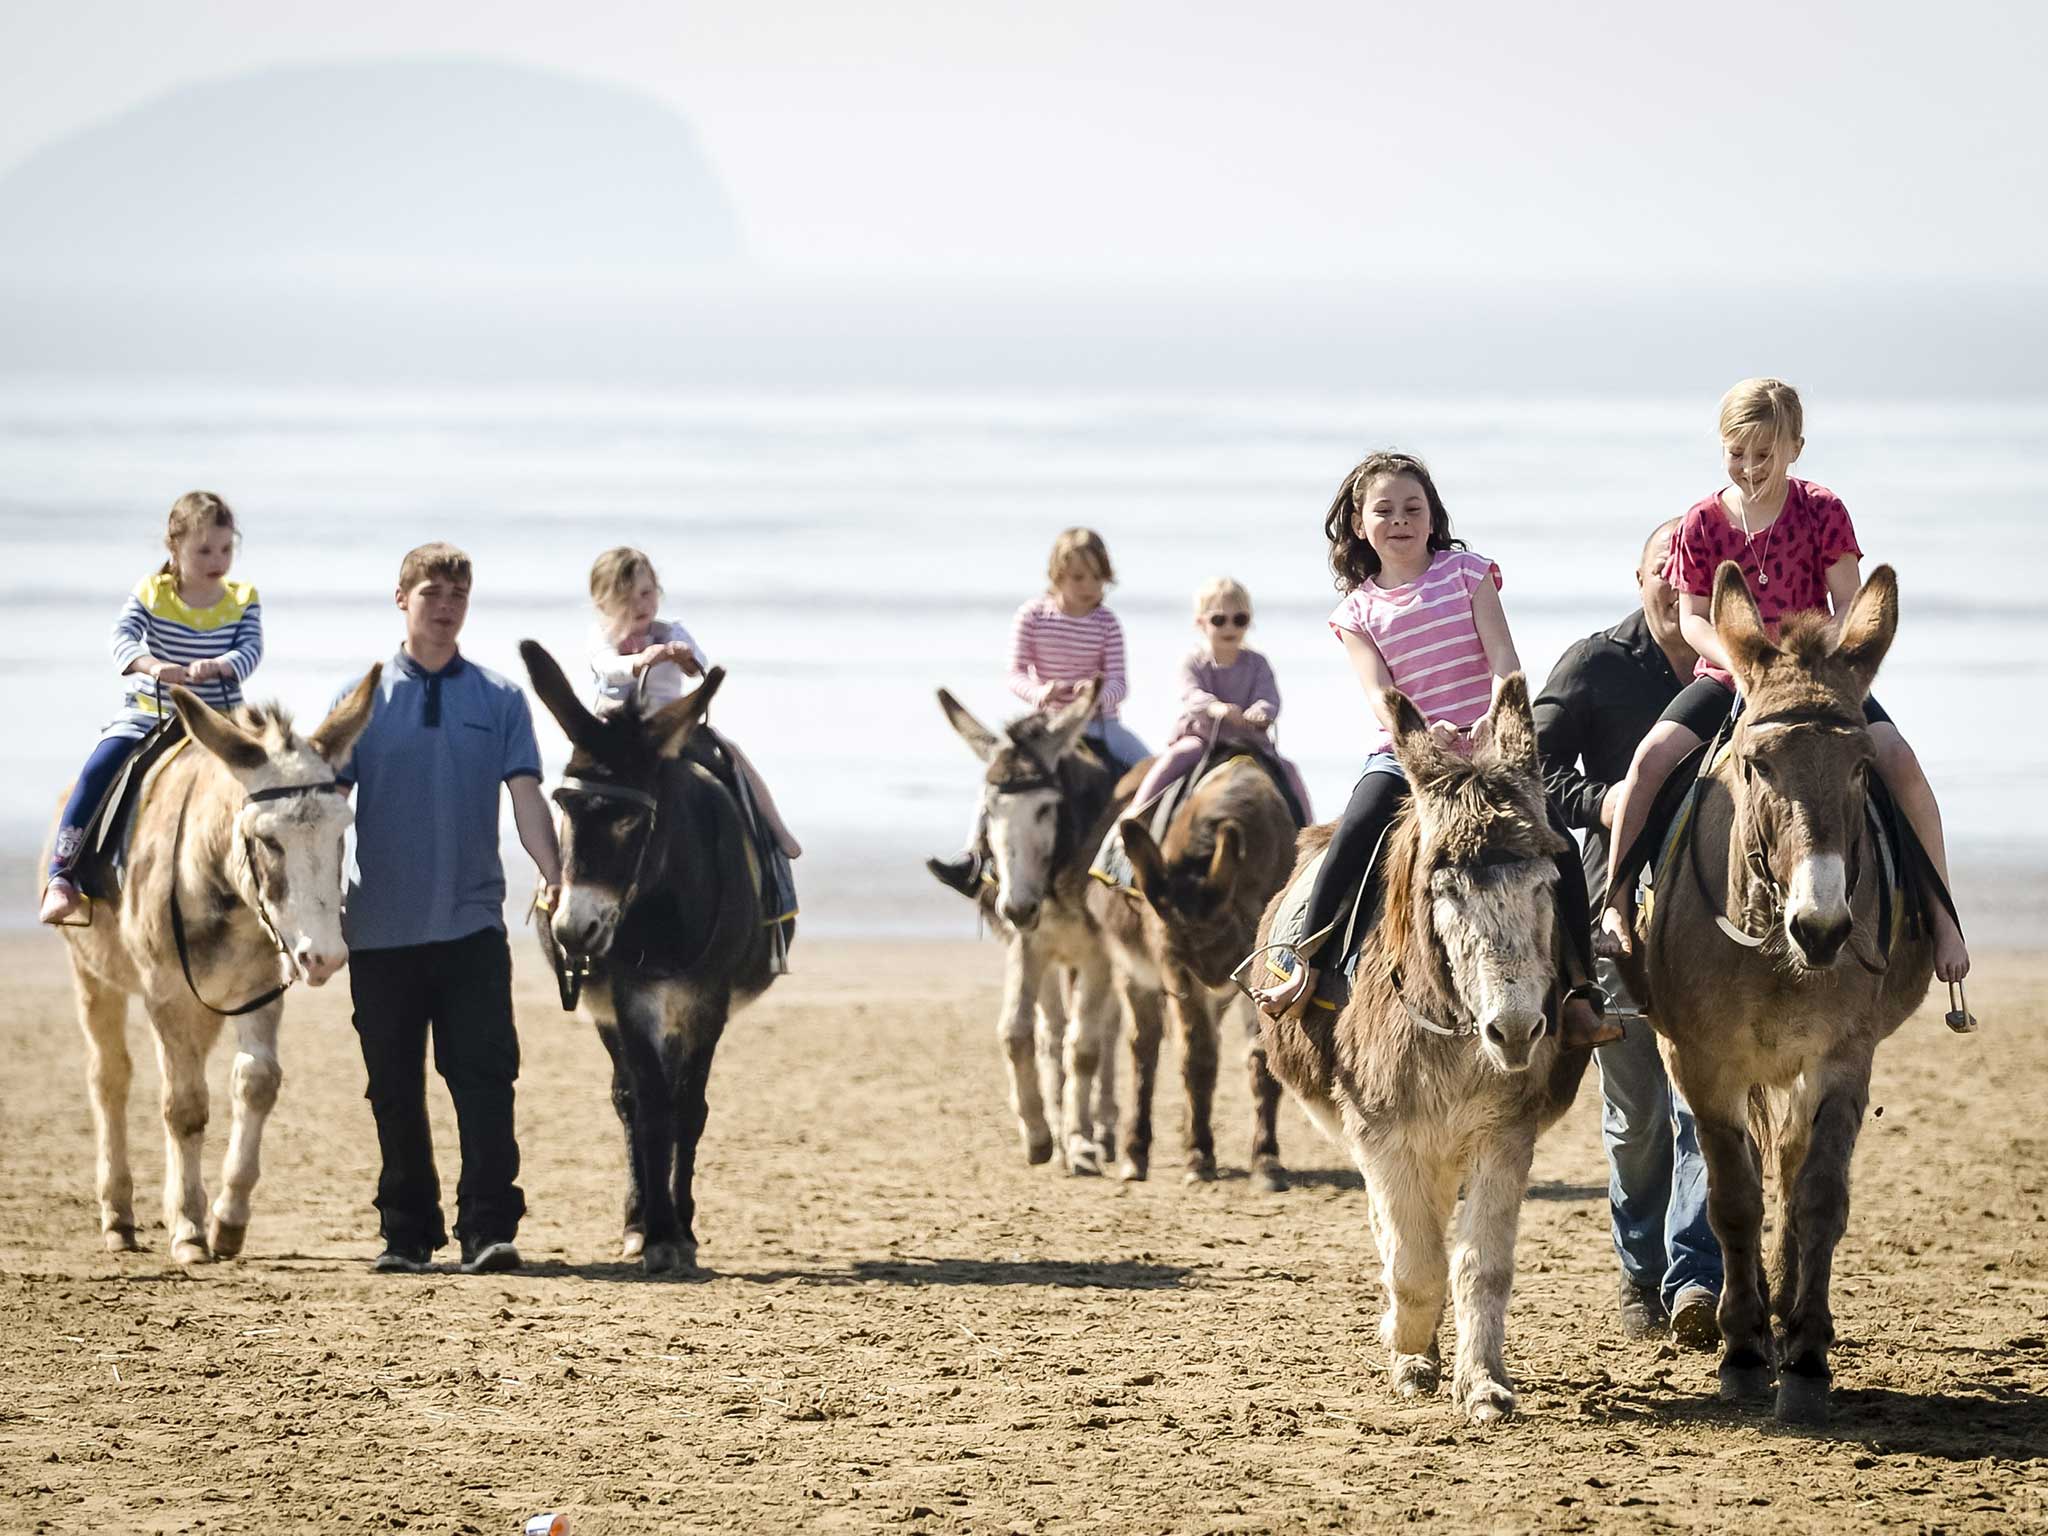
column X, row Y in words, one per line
column 1765, row 1027
column 233, row 893
column 1196, row 910
column 660, row 930
column 1049, row 799
column 1446, row 1063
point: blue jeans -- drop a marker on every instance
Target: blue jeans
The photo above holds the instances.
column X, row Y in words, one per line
column 1119, row 741
column 1656, row 1178
column 91, row 786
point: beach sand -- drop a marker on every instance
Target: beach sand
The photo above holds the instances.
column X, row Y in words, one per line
column 904, row 1327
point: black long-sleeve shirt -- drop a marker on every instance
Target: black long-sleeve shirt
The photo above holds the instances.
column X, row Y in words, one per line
column 1597, row 705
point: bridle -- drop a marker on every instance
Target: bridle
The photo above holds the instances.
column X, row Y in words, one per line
column 1490, row 858
column 262, row 910
column 571, row 973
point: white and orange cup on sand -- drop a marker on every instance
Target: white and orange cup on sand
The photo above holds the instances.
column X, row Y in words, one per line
column 549, row 1522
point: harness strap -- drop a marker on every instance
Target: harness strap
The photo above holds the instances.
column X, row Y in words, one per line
column 184, row 949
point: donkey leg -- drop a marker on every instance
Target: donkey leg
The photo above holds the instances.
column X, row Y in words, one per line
column 1107, row 1011
column 1820, row 1206
column 1483, row 1272
column 1081, row 1057
column 1268, row 1172
column 1147, row 1020
column 183, row 1040
column 693, row 1108
column 1195, row 1014
column 634, row 1241
column 1015, row 1029
column 1793, row 1136
column 103, row 1018
column 1735, row 1210
column 254, row 1083
column 1404, row 1200
column 655, row 1069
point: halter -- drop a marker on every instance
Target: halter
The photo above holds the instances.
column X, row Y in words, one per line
column 570, row 974
column 262, row 910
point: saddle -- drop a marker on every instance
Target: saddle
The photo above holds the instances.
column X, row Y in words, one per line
column 100, row 869
column 767, row 865
column 1113, row 867
column 1355, row 919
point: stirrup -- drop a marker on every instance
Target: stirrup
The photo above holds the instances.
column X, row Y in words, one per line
column 1959, row 1018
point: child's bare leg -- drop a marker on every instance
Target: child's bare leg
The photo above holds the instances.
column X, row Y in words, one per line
column 763, row 801
column 1899, row 767
column 1656, row 755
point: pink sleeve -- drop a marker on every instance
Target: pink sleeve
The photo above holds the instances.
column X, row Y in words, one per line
column 1693, row 557
column 1114, row 688
column 1476, row 568
column 1349, row 616
column 1023, row 677
column 1834, row 535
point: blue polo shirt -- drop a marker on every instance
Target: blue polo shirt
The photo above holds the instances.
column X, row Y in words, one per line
column 426, row 772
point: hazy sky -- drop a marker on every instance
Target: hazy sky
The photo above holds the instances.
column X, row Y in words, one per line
column 1499, row 141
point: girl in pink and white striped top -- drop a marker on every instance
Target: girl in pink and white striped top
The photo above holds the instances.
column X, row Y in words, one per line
column 1421, row 613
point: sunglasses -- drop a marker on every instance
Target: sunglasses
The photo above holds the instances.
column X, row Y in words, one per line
column 1229, row 620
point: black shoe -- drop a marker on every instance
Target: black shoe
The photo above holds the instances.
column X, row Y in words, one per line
column 1696, row 1321
column 397, row 1259
column 1642, row 1312
column 488, row 1258
column 962, row 874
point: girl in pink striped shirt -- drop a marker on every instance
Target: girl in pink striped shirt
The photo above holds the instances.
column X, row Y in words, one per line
column 1061, row 641
column 1421, row 613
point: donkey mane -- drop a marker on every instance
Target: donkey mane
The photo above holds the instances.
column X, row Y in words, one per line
column 270, row 722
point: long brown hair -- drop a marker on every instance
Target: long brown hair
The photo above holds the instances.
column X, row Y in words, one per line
column 1352, row 560
column 189, row 513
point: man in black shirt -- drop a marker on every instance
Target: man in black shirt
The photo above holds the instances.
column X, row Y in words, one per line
column 1598, row 703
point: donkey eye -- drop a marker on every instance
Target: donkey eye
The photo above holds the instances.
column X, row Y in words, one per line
column 1760, row 767
column 1044, row 813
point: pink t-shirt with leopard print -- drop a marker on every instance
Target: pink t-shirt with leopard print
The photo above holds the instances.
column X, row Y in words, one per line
column 1794, row 553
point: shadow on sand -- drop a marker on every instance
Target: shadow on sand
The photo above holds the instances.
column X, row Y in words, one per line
column 1989, row 1418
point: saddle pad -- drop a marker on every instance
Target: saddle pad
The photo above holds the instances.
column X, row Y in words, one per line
column 101, row 869
column 1290, row 927
column 1112, row 866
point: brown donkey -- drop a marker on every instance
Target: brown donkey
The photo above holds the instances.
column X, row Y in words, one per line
column 236, row 852
column 1445, row 1065
column 1196, row 911
column 1769, row 979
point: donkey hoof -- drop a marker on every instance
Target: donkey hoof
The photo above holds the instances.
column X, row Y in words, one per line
column 1744, row 1380
column 1269, row 1175
column 632, row 1246
column 1038, row 1148
column 1489, row 1404
column 668, row 1258
column 120, row 1240
column 1135, row 1169
column 1200, row 1171
column 1415, row 1376
column 1083, row 1161
column 1802, row 1399
column 226, row 1238
column 188, row 1251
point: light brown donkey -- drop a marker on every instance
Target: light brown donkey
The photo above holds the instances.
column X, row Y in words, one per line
column 1445, row 1065
column 236, row 844
column 1766, row 971
column 1196, row 910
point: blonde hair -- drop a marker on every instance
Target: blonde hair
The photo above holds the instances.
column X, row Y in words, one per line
column 1218, row 591
column 1085, row 545
column 192, row 513
column 1763, row 406
column 430, row 561
column 614, row 575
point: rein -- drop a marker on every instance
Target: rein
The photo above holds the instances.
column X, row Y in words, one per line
column 255, row 797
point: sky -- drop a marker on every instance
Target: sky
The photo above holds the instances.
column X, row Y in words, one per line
column 1492, row 144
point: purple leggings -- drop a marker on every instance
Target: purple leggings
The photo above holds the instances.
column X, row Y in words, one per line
column 1179, row 759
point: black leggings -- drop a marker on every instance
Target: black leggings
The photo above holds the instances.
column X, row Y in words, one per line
column 1374, row 801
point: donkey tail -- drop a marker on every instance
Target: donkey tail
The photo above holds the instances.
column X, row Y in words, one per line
column 1763, row 1126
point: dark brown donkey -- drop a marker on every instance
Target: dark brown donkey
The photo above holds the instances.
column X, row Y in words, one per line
column 662, row 920
column 1445, row 1065
column 1769, row 979
column 1194, row 915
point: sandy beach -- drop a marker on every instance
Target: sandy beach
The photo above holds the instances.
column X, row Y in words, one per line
column 904, row 1327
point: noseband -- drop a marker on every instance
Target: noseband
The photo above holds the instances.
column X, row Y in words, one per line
column 571, row 973
column 255, row 797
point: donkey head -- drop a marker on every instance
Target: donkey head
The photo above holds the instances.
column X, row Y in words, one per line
column 611, row 800
column 290, row 827
column 1802, row 753
column 1479, row 900
column 1036, row 803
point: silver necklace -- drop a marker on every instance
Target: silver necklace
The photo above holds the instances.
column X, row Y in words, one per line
column 1763, row 577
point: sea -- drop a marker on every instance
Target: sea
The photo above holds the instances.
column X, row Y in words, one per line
column 845, row 554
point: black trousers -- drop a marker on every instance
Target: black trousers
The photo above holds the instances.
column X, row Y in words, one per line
column 1374, row 800
column 461, row 992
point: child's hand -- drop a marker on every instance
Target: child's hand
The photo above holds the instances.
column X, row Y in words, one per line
column 1445, row 734
column 1054, row 694
column 685, row 658
column 170, row 674
column 653, row 656
column 1259, row 715
column 206, row 671
column 1216, row 709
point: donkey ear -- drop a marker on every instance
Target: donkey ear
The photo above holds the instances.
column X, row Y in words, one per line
column 335, row 737
column 1511, row 727
column 576, row 721
column 1417, row 750
column 1064, row 729
column 671, row 727
column 977, row 736
column 1148, row 865
column 217, row 733
column 1869, row 625
column 1228, row 858
column 1738, row 623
